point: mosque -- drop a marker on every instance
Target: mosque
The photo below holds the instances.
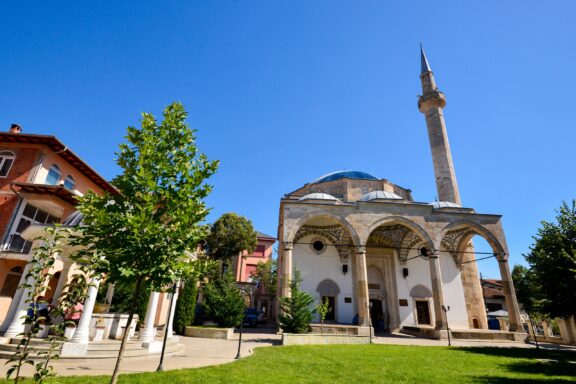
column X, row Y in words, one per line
column 385, row 261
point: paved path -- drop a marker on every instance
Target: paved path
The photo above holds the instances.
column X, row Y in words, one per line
column 197, row 352
column 204, row 352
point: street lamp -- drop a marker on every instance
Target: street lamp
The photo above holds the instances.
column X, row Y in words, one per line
column 446, row 309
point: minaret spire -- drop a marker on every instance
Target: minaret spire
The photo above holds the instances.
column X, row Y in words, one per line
column 431, row 104
column 424, row 65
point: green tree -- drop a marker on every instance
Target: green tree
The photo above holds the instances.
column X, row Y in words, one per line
column 145, row 229
column 230, row 235
column 552, row 261
column 527, row 290
column 266, row 275
column 223, row 300
column 186, row 304
column 323, row 307
column 296, row 314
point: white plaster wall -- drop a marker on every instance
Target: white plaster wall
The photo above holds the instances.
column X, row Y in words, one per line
column 316, row 267
column 418, row 274
column 453, row 292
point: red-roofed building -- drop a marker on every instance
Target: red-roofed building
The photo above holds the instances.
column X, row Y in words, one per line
column 245, row 268
column 39, row 180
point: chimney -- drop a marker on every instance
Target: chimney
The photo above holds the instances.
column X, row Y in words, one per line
column 15, row 128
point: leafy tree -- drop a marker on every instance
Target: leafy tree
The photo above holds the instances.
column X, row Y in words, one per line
column 552, row 261
column 527, row 290
column 143, row 231
column 230, row 235
column 124, row 296
column 266, row 276
column 224, row 301
column 186, row 304
column 296, row 314
column 323, row 307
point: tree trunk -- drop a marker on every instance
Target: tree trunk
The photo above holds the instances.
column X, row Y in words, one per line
column 135, row 302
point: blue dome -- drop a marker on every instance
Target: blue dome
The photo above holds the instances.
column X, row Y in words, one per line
column 344, row 174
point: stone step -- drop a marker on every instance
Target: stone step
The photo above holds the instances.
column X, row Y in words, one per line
column 103, row 354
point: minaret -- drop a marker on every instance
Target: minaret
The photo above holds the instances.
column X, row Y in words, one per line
column 431, row 104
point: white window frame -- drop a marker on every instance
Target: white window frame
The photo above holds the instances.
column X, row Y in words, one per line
column 72, row 180
column 16, row 224
column 55, row 167
column 5, row 156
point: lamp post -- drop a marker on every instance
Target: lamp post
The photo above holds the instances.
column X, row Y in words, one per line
column 160, row 367
column 446, row 309
column 370, row 304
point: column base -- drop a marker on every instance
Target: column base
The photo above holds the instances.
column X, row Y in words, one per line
column 147, row 335
column 70, row 349
column 153, row 346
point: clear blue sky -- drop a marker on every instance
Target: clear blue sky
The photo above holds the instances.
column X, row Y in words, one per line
column 284, row 91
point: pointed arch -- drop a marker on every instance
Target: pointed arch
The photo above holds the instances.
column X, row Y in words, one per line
column 328, row 287
column 390, row 220
column 469, row 229
column 291, row 235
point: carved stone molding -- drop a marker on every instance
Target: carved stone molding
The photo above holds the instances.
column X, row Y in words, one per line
column 454, row 240
column 336, row 234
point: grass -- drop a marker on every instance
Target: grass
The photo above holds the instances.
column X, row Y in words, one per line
column 372, row 364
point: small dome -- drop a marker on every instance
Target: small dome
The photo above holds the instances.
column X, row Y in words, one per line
column 74, row 219
column 344, row 174
column 318, row 196
column 444, row 204
column 380, row 195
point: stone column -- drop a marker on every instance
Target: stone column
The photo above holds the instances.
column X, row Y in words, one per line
column 82, row 333
column 109, row 294
column 286, row 269
column 437, row 291
column 61, row 282
column 18, row 300
column 510, row 296
column 148, row 332
column 362, row 298
column 14, row 322
column 565, row 331
column 174, row 300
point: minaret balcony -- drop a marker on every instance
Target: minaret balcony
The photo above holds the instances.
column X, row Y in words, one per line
column 433, row 99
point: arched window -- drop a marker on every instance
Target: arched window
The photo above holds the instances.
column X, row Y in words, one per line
column 54, row 175
column 6, row 161
column 11, row 282
column 69, row 183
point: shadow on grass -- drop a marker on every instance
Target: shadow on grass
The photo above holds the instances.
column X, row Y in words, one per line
column 508, row 380
column 522, row 353
column 553, row 364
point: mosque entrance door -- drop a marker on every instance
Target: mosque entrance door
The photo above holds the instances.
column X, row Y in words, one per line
column 377, row 315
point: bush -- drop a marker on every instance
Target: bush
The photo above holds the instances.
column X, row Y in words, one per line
column 296, row 314
column 223, row 301
column 186, row 305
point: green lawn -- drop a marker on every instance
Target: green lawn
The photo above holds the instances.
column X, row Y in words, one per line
column 373, row 364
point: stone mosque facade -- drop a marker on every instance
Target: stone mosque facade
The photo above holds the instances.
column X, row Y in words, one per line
column 384, row 260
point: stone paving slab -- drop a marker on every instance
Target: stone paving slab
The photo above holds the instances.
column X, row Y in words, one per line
column 200, row 352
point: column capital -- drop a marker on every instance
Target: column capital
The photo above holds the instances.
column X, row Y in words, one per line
column 359, row 249
column 288, row 245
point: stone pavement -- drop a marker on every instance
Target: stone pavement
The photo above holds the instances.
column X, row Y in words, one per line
column 197, row 352
column 200, row 352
